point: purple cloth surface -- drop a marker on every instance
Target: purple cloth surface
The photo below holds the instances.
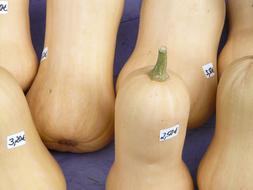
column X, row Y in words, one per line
column 89, row 171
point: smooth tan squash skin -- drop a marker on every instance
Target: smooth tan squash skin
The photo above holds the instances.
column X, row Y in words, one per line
column 191, row 30
column 30, row 166
column 72, row 97
column 227, row 165
column 143, row 108
column 16, row 50
column 240, row 38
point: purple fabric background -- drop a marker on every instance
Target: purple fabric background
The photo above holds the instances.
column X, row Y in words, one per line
column 89, row 171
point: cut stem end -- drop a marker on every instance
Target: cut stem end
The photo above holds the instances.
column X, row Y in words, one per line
column 159, row 72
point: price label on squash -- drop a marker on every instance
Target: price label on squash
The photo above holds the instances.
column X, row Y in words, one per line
column 44, row 54
column 169, row 133
column 208, row 70
column 16, row 140
column 3, row 7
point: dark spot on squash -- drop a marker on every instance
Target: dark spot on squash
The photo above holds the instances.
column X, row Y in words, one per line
column 68, row 142
column 50, row 91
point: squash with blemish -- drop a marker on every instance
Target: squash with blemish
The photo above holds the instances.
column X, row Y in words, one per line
column 72, row 97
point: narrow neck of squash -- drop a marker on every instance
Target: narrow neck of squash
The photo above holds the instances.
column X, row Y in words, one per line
column 159, row 72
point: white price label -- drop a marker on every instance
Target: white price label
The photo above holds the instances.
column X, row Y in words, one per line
column 4, row 7
column 44, row 54
column 208, row 70
column 16, row 140
column 166, row 134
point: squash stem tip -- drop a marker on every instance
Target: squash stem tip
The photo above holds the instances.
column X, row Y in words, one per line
column 159, row 72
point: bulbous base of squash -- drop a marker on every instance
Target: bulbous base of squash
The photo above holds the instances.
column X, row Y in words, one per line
column 203, row 104
column 21, row 62
column 81, row 146
column 200, row 120
column 76, row 124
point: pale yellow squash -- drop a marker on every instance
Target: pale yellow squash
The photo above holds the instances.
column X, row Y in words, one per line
column 146, row 157
column 16, row 50
column 227, row 164
column 72, row 97
column 240, row 38
column 191, row 30
column 25, row 163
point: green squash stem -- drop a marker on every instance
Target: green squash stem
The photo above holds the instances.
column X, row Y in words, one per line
column 159, row 72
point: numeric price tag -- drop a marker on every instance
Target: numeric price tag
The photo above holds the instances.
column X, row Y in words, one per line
column 169, row 133
column 208, row 70
column 4, row 7
column 16, row 140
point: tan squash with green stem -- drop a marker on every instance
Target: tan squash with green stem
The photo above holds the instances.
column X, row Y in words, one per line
column 151, row 114
column 25, row 162
column 240, row 38
column 72, row 97
column 227, row 165
column 191, row 30
column 16, row 50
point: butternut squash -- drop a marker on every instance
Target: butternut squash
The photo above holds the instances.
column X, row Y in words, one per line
column 151, row 114
column 191, row 30
column 25, row 163
column 227, row 165
column 240, row 38
column 72, row 97
column 16, row 50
